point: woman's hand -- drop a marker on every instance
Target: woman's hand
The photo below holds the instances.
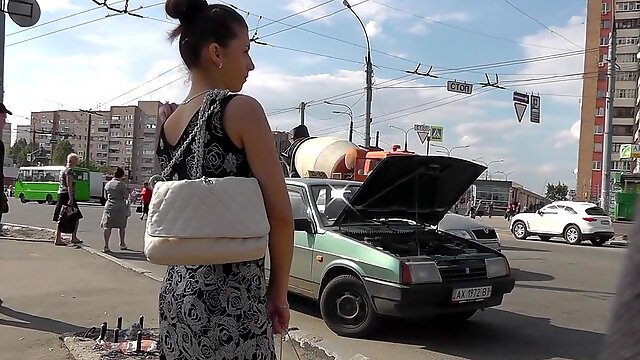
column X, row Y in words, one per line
column 278, row 310
column 166, row 110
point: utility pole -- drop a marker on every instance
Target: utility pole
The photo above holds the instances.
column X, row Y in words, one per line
column 351, row 131
column 87, row 153
column 605, row 201
column 377, row 138
column 2, row 39
column 367, row 129
column 302, row 107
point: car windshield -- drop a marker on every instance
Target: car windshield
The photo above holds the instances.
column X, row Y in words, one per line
column 595, row 210
column 330, row 199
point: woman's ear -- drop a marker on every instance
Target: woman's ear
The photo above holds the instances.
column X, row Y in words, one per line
column 215, row 54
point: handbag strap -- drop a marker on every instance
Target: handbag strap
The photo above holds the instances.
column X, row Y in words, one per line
column 210, row 105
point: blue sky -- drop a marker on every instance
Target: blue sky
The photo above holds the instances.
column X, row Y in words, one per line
column 91, row 64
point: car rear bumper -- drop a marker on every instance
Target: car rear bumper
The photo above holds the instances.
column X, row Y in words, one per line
column 432, row 299
column 598, row 234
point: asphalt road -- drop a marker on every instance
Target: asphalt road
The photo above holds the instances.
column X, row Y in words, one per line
column 559, row 309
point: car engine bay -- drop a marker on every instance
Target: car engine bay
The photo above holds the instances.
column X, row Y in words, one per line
column 411, row 241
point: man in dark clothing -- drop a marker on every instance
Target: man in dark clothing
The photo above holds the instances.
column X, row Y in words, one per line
column 3, row 199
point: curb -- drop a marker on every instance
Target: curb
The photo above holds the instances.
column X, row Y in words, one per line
column 306, row 343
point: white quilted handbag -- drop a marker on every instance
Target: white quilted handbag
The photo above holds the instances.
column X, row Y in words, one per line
column 206, row 220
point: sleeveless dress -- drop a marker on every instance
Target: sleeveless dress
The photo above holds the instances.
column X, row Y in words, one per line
column 213, row 311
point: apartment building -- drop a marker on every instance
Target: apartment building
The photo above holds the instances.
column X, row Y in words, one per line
column 6, row 139
column 23, row 132
column 124, row 136
column 601, row 17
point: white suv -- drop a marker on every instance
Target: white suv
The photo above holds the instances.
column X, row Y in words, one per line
column 574, row 221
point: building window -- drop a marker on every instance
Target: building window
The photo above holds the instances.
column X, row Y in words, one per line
column 627, row 23
column 604, row 41
column 626, row 58
column 597, row 147
column 626, row 93
column 605, row 7
column 627, row 40
column 622, row 130
column 115, row 117
column 601, row 94
column 596, row 165
column 626, row 76
column 623, row 112
column 604, row 24
column 600, row 111
column 598, row 129
column 615, row 148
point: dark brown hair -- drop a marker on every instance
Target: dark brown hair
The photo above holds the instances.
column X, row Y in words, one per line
column 119, row 172
column 202, row 24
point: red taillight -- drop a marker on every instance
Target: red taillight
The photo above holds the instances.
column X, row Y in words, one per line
column 406, row 274
column 589, row 219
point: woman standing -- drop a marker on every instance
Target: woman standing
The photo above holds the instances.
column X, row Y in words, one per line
column 66, row 193
column 116, row 209
column 224, row 311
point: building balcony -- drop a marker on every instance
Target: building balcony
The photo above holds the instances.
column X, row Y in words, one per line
column 623, row 121
column 622, row 139
column 624, row 102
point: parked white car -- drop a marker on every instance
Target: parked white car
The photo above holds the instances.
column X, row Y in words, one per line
column 574, row 221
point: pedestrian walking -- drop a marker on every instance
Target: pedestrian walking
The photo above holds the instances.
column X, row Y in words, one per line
column 116, row 210
column 226, row 311
column 4, row 201
column 66, row 196
column 490, row 209
column 145, row 198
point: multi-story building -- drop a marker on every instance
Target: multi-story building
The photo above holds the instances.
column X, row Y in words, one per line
column 124, row 136
column 23, row 132
column 6, row 139
column 600, row 19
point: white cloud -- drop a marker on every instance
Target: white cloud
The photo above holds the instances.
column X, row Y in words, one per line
column 56, row 5
column 419, row 28
column 373, row 28
column 574, row 30
column 568, row 137
column 297, row 6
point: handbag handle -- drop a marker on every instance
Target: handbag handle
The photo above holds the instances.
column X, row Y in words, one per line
column 209, row 106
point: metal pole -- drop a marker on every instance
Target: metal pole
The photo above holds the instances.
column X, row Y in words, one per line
column 367, row 129
column 2, row 38
column 608, row 124
column 377, row 138
column 428, row 142
column 303, row 105
column 406, row 139
column 351, row 130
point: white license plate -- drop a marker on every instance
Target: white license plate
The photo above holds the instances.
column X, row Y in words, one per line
column 467, row 294
column 605, row 222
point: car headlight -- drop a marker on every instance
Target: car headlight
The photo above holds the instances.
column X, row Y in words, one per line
column 497, row 267
column 420, row 272
column 461, row 233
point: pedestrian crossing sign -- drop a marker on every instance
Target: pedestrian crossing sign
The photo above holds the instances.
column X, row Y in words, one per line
column 437, row 133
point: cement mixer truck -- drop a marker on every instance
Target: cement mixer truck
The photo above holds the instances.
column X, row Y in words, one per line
column 332, row 157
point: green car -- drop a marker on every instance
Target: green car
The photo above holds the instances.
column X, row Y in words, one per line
column 372, row 249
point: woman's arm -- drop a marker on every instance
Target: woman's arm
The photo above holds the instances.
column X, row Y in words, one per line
column 245, row 119
column 69, row 180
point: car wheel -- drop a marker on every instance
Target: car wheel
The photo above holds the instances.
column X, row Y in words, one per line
column 520, row 230
column 346, row 307
column 50, row 199
column 573, row 235
column 22, row 199
column 599, row 241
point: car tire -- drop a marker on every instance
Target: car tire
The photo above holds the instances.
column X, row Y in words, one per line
column 50, row 200
column 519, row 230
column 23, row 199
column 346, row 307
column 599, row 241
column 573, row 235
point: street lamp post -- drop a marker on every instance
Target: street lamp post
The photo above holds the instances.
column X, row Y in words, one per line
column 348, row 112
column 446, row 150
column 406, row 134
column 369, row 80
column 506, row 175
column 486, row 177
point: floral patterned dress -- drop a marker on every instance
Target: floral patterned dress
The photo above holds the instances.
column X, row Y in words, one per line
column 213, row 311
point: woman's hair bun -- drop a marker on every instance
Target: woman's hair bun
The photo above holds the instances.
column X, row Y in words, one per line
column 184, row 10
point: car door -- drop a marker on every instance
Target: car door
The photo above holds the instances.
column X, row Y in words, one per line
column 550, row 220
column 541, row 222
column 300, row 275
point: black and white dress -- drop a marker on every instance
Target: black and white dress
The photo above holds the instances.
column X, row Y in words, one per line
column 213, row 311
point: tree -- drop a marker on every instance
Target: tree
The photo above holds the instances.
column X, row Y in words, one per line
column 557, row 192
column 60, row 152
column 20, row 150
column 97, row 168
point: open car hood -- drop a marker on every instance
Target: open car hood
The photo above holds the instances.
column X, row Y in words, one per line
column 420, row 188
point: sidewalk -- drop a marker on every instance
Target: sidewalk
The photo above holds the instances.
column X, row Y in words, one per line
column 50, row 290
